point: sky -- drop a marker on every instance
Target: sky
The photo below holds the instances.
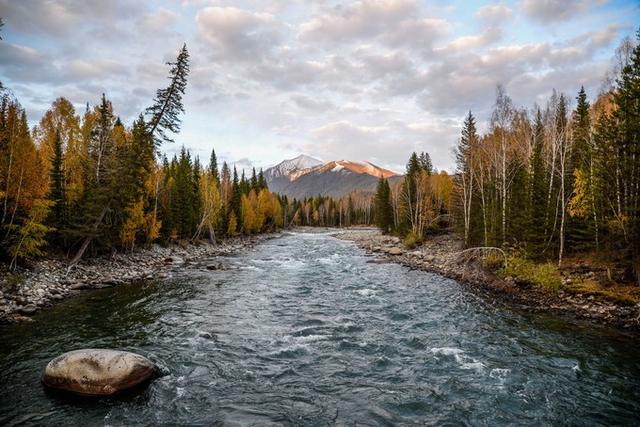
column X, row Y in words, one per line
column 368, row 80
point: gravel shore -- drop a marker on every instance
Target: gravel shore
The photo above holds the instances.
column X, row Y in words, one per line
column 28, row 290
column 441, row 254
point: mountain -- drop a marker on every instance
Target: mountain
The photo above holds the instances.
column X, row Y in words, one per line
column 335, row 178
column 285, row 167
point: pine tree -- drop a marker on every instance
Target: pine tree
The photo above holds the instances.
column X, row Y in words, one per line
column 245, row 184
column 254, row 180
column 196, row 200
column 580, row 223
column 539, row 188
column 409, row 194
column 383, row 208
column 102, row 185
column 236, row 199
column 57, row 213
column 425, row 163
column 213, row 167
column 139, row 157
column 167, row 105
column 225, row 194
column 262, row 183
column 163, row 118
column 465, row 175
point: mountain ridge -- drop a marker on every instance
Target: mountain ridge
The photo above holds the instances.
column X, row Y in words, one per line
column 305, row 176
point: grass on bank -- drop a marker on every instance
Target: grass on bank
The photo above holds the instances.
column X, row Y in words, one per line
column 615, row 293
column 541, row 275
column 412, row 240
column 549, row 277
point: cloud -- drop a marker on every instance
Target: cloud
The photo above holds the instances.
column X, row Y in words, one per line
column 554, row 11
column 13, row 55
column 313, row 104
column 101, row 68
column 494, row 14
column 393, row 22
column 387, row 144
column 66, row 16
column 487, row 37
column 158, row 21
column 366, row 79
column 237, row 34
column 362, row 19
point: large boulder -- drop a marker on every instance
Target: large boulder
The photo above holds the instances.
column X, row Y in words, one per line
column 98, row 371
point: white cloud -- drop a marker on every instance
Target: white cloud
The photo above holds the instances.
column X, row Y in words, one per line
column 494, row 14
column 366, row 80
column 158, row 21
column 237, row 34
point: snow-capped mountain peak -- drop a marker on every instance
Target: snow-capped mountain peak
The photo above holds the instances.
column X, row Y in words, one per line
column 305, row 176
column 289, row 166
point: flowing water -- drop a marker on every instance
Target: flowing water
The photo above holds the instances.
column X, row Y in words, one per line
column 303, row 331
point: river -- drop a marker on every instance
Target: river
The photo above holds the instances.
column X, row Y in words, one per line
column 302, row 330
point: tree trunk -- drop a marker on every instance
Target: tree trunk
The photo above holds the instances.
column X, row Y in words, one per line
column 88, row 239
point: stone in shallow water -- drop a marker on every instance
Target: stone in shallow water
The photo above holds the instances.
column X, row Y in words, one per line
column 98, row 371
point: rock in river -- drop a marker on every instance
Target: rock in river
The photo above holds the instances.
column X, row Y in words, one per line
column 98, row 371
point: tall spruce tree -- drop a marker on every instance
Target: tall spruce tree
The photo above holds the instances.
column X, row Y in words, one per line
column 580, row 223
column 425, row 163
column 213, row 167
column 262, row 183
column 254, row 180
column 383, row 207
column 164, row 114
column 465, row 176
column 57, row 214
column 539, row 188
column 408, row 192
column 236, row 199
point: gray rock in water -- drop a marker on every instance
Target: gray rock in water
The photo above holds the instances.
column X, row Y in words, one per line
column 98, row 372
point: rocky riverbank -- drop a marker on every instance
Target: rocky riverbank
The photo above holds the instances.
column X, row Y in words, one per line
column 24, row 292
column 442, row 255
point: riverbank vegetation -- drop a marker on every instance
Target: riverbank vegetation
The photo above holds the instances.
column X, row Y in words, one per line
column 557, row 187
column 552, row 182
column 418, row 205
column 86, row 183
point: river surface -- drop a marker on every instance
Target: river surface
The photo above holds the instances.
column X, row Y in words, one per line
column 302, row 330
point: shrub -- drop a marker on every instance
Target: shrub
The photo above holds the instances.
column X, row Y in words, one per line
column 412, row 240
column 545, row 275
column 494, row 260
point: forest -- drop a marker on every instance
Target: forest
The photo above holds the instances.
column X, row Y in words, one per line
column 77, row 184
column 85, row 183
column 546, row 183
